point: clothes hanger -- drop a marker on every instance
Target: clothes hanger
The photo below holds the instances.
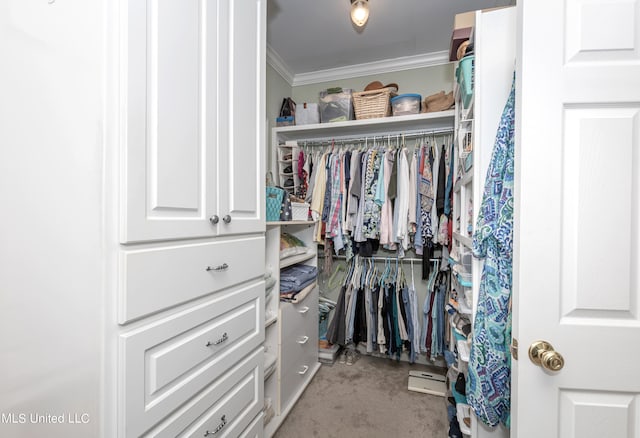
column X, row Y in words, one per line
column 374, row 277
column 413, row 280
column 334, row 280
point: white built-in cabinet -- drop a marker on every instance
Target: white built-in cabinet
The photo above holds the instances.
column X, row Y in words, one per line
column 476, row 125
column 291, row 339
column 191, row 125
column 190, row 289
column 136, row 303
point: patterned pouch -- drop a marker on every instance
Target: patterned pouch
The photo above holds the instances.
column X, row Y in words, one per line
column 285, row 208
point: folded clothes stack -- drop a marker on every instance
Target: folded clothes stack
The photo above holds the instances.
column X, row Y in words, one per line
column 295, row 278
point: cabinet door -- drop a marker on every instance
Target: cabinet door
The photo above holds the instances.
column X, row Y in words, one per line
column 169, row 103
column 241, row 166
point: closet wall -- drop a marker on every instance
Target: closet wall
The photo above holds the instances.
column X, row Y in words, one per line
column 424, row 81
column 51, row 275
column 277, row 89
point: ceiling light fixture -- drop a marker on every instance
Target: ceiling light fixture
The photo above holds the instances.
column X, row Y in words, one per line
column 359, row 12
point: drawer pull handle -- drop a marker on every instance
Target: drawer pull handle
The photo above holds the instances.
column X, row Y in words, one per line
column 219, row 427
column 304, row 310
column 303, row 340
column 304, row 371
column 224, row 337
column 222, row 267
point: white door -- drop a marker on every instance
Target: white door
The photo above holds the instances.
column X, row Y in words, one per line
column 577, row 241
column 241, row 109
column 169, row 103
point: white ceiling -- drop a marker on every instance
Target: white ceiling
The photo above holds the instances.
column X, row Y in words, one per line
column 311, row 35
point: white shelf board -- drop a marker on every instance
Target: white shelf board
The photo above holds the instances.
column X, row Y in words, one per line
column 466, row 179
column 270, row 321
column 280, row 223
column 466, row 241
column 289, row 261
column 368, row 127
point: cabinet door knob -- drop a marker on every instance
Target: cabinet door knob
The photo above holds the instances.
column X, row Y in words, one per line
column 304, row 310
column 303, row 340
column 214, row 219
column 222, row 267
column 226, row 219
column 304, row 370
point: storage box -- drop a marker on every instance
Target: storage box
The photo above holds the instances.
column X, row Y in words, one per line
column 464, row 19
column 373, row 104
column 285, row 121
column 300, row 211
column 405, row 104
column 457, row 38
column 335, row 105
column 307, row 114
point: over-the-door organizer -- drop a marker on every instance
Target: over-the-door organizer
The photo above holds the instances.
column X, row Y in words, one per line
column 477, row 114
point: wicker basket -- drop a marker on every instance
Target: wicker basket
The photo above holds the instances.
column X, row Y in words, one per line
column 373, row 104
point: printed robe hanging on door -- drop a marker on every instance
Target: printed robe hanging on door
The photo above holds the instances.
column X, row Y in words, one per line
column 488, row 387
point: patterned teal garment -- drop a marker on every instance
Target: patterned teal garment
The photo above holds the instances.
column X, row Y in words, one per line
column 488, row 386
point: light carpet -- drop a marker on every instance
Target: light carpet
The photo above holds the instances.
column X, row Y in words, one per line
column 368, row 399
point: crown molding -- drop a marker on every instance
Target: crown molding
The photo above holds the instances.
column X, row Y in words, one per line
column 278, row 64
column 372, row 68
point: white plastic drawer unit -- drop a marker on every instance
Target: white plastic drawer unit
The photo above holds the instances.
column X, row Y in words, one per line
column 157, row 278
column 299, row 344
column 224, row 409
column 165, row 363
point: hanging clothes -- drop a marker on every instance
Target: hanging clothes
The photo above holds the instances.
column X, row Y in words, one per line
column 380, row 311
column 488, row 386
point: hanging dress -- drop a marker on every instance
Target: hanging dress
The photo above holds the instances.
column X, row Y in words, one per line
column 488, row 386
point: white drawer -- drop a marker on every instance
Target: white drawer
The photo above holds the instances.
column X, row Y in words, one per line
column 300, row 318
column 224, row 409
column 293, row 378
column 155, row 279
column 165, row 363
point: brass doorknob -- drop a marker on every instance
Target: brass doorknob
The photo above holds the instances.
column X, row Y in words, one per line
column 542, row 353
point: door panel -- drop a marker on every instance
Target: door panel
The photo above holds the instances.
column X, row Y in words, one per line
column 593, row 413
column 170, row 141
column 576, row 241
column 599, row 141
column 242, row 162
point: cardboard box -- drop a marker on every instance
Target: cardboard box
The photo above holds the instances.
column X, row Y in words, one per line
column 463, row 25
column 457, row 38
column 466, row 19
